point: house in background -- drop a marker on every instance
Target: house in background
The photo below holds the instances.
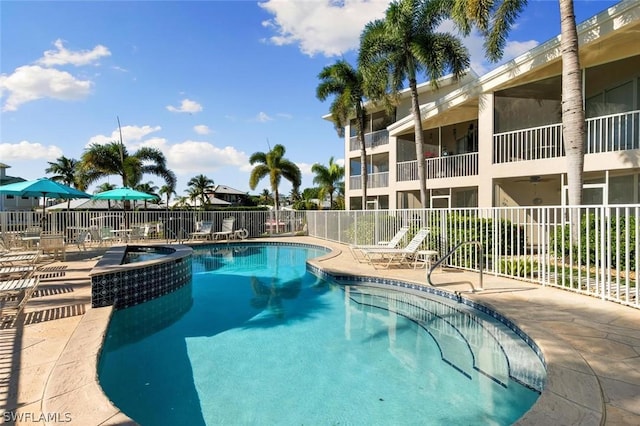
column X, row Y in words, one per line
column 228, row 194
column 14, row 202
column 496, row 140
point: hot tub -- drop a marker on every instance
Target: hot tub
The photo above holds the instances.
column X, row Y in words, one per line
column 133, row 274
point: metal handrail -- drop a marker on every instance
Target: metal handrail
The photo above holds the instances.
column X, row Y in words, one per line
column 478, row 244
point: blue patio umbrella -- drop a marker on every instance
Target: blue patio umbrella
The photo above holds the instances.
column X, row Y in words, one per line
column 123, row 193
column 42, row 187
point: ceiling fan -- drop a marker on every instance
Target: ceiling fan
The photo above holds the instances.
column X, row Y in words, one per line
column 533, row 179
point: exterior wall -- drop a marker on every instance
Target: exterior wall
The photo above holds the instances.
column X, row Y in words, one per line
column 525, row 164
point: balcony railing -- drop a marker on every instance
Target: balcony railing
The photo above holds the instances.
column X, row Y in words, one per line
column 615, row 132
column 440, row 167
column 375, row 180
column 373, row 139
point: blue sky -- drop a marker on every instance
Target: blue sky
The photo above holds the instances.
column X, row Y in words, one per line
column 207, row 82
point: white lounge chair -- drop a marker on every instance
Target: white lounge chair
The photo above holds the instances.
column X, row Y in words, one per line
column 227, row 229
column 393, row 243
column 204, row 232
column 399, row 255
column 24, row 286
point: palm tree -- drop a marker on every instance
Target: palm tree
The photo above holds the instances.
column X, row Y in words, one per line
column 329, row 178
column 274, row 165
column 103, row 187
column 99, row 161
column 494, row 21
column 265, row 197
column 199, row 188
column 347, row 85
column 405, row 44
column 168, row 191
column 65, row 170
column 148, row 188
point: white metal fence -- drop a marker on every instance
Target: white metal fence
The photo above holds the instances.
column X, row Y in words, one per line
column 165, row 225
column 597, row 256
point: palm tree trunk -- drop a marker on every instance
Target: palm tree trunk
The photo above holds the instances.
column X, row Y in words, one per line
column 417, row 121
column 573, row 119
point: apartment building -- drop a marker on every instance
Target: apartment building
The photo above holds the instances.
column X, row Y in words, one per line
column 496, row 139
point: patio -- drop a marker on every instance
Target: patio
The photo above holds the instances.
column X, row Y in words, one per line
column 592, row 347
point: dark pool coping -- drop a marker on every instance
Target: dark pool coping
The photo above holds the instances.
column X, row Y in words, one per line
column 111, row 261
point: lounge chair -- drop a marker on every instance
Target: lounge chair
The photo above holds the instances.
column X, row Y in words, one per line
column 227, row 229
column 399, row 255
column 393, row 243
column 24, row 286
column 203, row 232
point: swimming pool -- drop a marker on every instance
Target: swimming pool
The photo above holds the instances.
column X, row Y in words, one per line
column 255, row 339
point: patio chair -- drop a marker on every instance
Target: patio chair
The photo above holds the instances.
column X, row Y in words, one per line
column 204, row 232
column 23, row 288
column 399, row 255
column 227, row 229
column 392, row 243
column 19, row 258
column 53, row 244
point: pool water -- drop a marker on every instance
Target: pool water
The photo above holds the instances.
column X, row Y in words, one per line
column 255, row 339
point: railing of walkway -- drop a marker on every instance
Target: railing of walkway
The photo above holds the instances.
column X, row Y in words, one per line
column 597, row 256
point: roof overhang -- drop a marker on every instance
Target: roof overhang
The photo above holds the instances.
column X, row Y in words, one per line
column 610, row 35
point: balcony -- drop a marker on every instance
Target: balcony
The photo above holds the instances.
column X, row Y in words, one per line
column 441, row 167
column 615, row 132
column 376, row 180
column 371, row 140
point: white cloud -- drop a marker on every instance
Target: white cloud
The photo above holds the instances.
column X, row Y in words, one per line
column 186, row 105
column 131, row 135
column 263, row 117
column 25, row 150
column 201, row 129
column 327, row 27
column 285, row 115
column 513, row 49
column 305, row 168
column 474, row 42
column 204, row 157
column 31, row 82
column 63, row 56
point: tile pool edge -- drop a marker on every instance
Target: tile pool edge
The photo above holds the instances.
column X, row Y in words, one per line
column 127, row 284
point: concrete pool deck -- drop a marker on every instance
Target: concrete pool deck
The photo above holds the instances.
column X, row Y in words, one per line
column 591, row 347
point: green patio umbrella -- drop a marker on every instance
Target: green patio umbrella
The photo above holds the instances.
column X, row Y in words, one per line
column 42, row 187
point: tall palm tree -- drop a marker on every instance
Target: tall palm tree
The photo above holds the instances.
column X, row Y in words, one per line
column 167, row 191
column 99, row 161
column 494, row 20
column 328, row 178
column 405, row 44
column 199, row 188
column 347, row 85
column 66, row 172
column 274, row 165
